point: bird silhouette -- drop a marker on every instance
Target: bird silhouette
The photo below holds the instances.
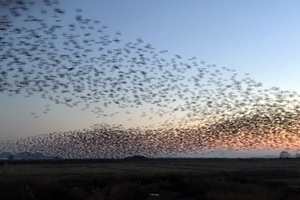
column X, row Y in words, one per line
column 219, row 108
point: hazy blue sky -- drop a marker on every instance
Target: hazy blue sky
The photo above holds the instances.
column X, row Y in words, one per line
column 256, row 37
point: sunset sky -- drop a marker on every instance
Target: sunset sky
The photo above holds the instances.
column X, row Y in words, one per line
column 256, row 37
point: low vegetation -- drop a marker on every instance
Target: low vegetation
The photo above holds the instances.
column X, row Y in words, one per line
column 211, row 179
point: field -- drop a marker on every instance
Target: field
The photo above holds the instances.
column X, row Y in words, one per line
column 219, row 179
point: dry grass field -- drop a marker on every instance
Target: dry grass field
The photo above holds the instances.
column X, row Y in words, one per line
column 219, row 179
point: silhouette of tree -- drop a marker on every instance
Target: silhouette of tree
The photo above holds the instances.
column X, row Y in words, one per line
column 297, row 155
column 284, row 154
column 11, row 157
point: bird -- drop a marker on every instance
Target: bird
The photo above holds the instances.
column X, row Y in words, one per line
column 218, row 109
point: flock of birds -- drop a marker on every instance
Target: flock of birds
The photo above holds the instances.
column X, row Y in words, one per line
column 79, row 64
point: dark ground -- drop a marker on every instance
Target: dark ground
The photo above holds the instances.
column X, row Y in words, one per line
column 142, row 178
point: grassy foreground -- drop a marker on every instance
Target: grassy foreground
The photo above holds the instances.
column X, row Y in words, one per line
column 213, row 179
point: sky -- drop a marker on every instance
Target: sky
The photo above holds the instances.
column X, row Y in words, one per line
column 256, row 37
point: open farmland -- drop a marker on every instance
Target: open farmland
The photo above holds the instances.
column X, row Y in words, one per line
column 152, row 179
